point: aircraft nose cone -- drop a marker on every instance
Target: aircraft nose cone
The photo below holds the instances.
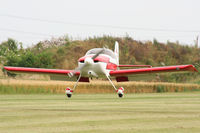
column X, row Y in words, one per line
column 89, row 61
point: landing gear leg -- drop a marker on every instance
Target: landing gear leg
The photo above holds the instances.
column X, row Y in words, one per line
column 69, row 91
column 119, row 91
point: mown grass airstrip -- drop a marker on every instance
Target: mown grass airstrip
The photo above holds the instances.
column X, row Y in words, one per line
column 11, row 86
column 92, row 113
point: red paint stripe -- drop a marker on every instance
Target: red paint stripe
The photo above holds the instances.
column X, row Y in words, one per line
column 99, row 58
column 111, row 66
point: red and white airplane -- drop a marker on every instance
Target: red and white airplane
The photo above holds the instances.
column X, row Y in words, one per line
column 101, row 63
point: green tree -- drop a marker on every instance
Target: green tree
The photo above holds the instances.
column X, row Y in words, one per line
column 12, row 60
column 12, row 45
column 28, row 59
column 45, row 60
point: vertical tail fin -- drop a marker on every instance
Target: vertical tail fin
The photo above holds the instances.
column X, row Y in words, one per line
column 116, row 51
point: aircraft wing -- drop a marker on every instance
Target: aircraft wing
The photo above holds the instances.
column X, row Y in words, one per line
column 128, row 74
column 55, row 74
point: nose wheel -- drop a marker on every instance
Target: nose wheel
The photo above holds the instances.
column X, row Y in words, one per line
column 68, row 92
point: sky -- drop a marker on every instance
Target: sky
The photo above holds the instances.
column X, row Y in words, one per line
column 31, row 21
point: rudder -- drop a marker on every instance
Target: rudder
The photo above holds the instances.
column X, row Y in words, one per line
column 116, row 51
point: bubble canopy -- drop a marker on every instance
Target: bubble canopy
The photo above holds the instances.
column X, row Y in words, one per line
column 106, row 52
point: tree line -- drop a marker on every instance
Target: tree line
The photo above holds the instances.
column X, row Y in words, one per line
column 64, row 52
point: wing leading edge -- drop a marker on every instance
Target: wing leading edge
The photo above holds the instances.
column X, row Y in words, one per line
column 38, row 70
column 122, row 75
column 55, row 74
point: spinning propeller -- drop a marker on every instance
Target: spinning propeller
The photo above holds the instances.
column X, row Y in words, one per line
column 88, row 60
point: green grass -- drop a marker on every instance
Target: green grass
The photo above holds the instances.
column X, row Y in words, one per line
column 86, row 113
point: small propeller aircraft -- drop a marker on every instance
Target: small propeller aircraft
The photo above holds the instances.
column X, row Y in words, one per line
column 101, row 63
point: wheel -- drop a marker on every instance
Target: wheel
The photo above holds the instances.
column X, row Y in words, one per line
column 120, row 92
column 120, row 95
column 68, row 92
column 69, row 95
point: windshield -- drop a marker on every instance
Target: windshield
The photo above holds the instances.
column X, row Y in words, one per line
column 106, row 52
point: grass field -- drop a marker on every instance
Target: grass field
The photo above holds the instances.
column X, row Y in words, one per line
column 86, row 113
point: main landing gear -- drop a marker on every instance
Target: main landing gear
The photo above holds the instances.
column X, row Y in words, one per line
column 69, row 91
column 119, row 91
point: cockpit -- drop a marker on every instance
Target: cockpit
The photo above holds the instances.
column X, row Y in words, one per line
column 106, row 52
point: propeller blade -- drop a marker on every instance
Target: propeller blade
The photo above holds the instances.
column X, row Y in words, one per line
column 71, row 74
column 97, row 54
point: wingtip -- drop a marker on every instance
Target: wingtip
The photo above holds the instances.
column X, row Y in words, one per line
column 194, row 68
column 4, row 67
